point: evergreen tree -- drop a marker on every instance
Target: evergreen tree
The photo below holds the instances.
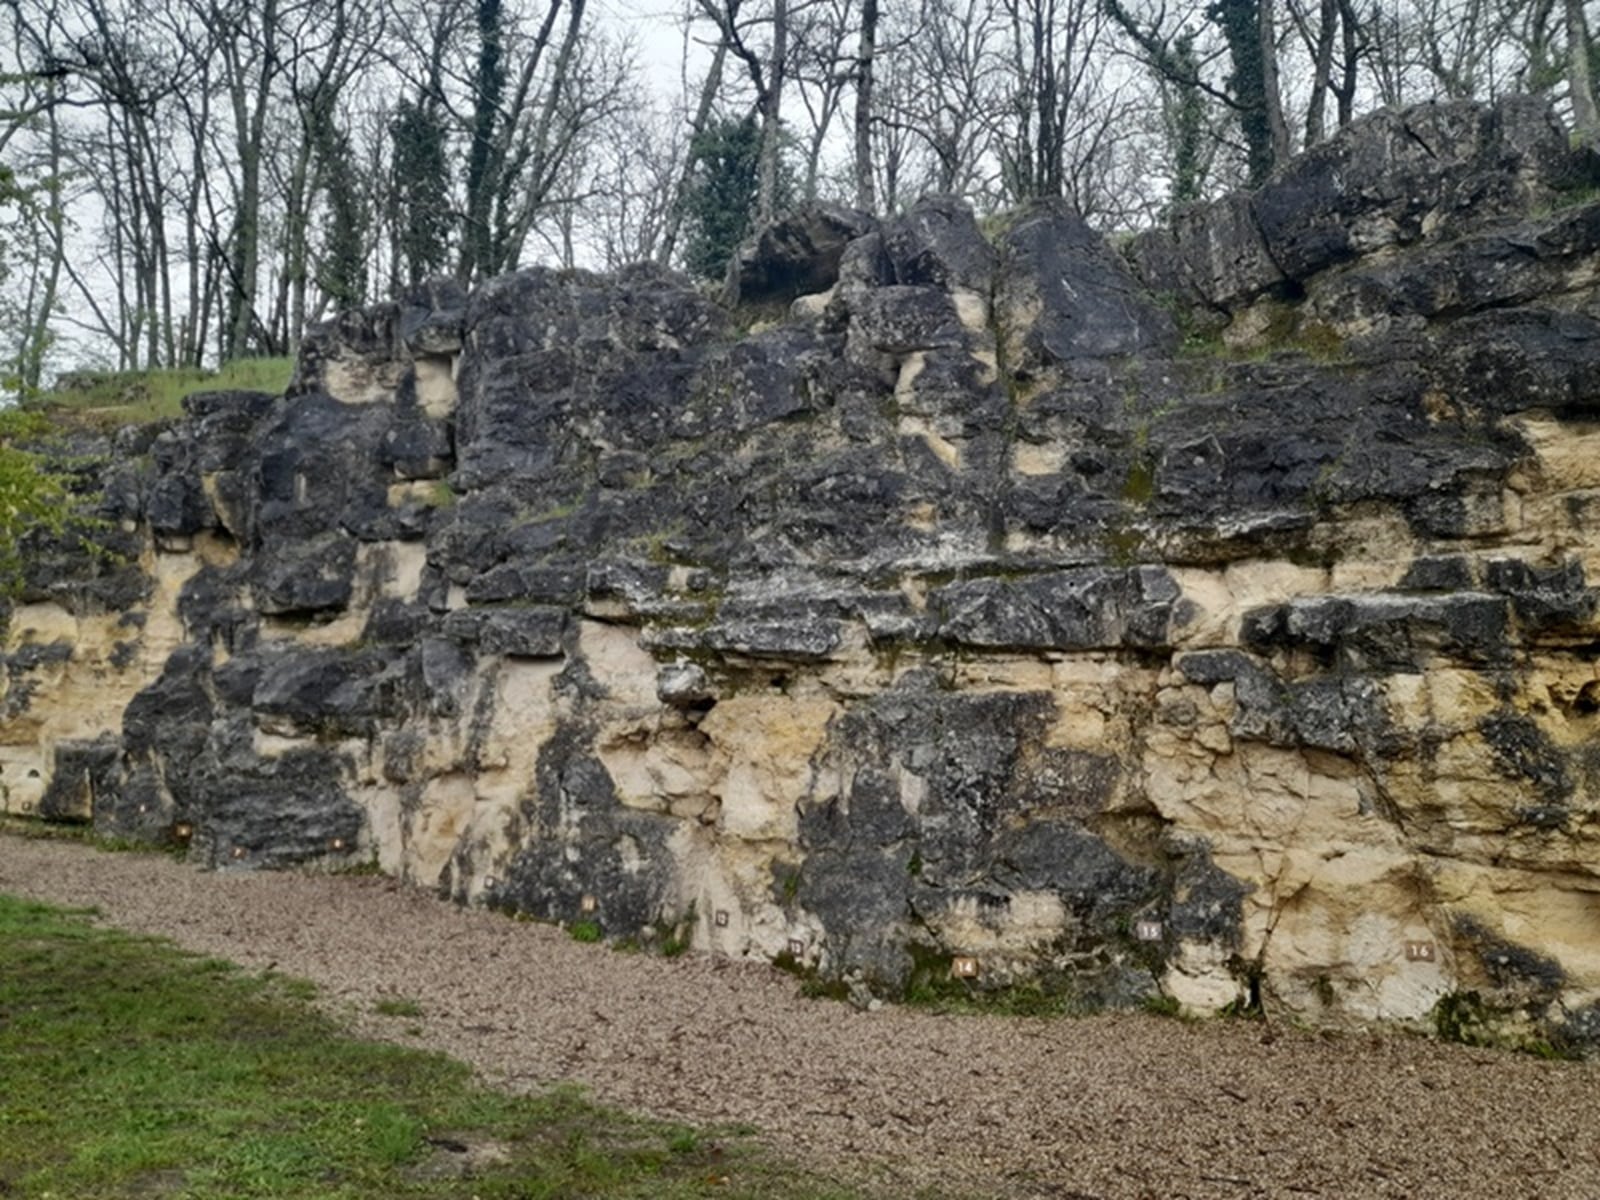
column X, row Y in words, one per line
column 721, row 197
column 1186, row 123
column 421, row 189
column 346, row 222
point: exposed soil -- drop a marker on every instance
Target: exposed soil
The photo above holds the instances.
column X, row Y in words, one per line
column 1124, row 1106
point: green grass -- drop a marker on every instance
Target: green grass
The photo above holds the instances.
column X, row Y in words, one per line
column 397, row 1006
column 36, row 830
column 109, row 399
column 131, row 1069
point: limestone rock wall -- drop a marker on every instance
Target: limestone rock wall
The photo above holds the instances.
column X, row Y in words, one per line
column 1209, row 617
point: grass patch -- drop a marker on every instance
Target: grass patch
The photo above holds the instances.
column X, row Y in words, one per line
column 34, row 829
column 397, row 1006
column 440, row 495
column 110, row 399
column 132, row 1069
column 1160, row 1005
column 931, row 986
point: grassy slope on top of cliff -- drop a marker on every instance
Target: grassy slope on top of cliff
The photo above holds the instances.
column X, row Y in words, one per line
column 105, row 400
column 131, row 1068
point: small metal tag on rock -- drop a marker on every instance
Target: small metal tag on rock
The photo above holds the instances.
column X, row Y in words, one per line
column 1147, row 931
column 963, row 967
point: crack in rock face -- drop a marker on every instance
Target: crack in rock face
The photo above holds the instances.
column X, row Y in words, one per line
column 1202, row 622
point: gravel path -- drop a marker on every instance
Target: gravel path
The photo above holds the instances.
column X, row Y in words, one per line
column 1109, row 1107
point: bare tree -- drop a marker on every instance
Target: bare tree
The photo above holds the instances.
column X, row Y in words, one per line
column 32, row 238
column 767, row 68
column 1063, row 112
column 948, row 70
column 1585, row 116
column 710, row 87
column 866, row 53
column 632, row 186
column 539, row 91
column 325, row 49
column 823, row 70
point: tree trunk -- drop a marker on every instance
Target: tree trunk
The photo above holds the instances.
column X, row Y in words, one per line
column 250, row 103
column 866, row 197
column 296, row 251
column 1321, row 72
column 36, row 339
column 246, row 253
column 771, row 111
column 1354, row 48
column 1271, row 95
column 482, row 175
column 1585, row 116
column 702, row 114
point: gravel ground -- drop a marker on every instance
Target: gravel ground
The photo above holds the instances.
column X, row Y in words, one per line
column 1109, row 1107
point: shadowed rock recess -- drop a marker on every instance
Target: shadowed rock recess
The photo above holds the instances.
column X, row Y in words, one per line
column 1207, row 616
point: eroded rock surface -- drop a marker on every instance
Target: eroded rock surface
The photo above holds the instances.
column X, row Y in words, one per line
column 1212, row 620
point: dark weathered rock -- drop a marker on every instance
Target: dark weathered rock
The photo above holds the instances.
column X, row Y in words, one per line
column 1063, row 295
column 87, row 776
column 308, row 577
column 614, row 855
column 533, row 632
column 1387, row 632
column 938, row 244
column 1391, row 178
column 795, row 255
column 1089, row 609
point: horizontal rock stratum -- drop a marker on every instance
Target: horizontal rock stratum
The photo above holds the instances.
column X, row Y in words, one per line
column 1207, row 616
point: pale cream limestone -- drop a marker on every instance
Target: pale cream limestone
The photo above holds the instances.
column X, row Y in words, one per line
column 1024, row 927
column 814, row 305
column 905, row 386
column 972, row 310
column 390, row 570
column 1217, row 601
column 436, row 385
column 354, row 379
column 430, row 830
column 1549, row 913
column 661, row 770
column 767, row 743
column 985, row 675
column 619, row 664
column 946, row 451
column 1200, row 977
column 1566, row 455
column 83, row 697
column 1034, row 458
